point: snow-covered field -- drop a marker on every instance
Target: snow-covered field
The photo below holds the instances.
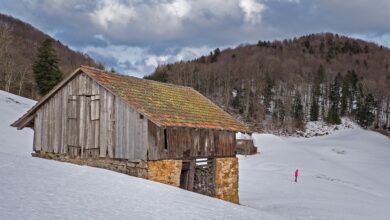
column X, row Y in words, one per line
column 320, row 128
column 345, row 175
column 33, row 188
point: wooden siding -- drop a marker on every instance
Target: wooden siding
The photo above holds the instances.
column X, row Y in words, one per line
column 82, row 119
column 56, row 124
column 131, row 131
column 107, row 123
column 85, row 119
column 188, row 143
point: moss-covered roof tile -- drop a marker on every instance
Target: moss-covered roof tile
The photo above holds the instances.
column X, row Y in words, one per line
column 167, row 104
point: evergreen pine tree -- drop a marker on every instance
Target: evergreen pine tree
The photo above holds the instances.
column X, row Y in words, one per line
column 236, row 100
column 334, row 99
column 316, row 93
column 268, row 93
column 297, row 111
column 365, row 108
column 314, row 108
column 279, row 112
column 45, row 68
column 354, row 79
column 348, row 93
column 159, row 75
column 345, row 96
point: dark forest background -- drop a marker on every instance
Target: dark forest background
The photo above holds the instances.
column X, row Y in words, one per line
column 279, row 86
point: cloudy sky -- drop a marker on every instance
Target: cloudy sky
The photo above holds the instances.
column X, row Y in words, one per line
column 134, row 36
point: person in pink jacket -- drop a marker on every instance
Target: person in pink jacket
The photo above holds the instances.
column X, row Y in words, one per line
column 296, row 175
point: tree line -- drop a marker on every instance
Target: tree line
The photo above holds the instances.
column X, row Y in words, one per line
column 45, row 68
column 19, row 48
column 280, row 85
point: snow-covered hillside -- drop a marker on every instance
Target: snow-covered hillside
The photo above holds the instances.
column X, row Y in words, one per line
column 320, row 128
column 345, row 175
column 33, row 188
column 12, row 141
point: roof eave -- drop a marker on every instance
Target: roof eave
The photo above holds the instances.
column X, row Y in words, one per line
column 243, row 130
column 26, row 118
column 20, row 124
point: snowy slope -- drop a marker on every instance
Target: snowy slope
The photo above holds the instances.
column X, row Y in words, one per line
column 321, row 128
column 33, row 188
column 345, row 175
column 12, row 141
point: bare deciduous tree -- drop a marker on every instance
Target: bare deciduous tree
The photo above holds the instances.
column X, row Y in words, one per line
column 6, row 62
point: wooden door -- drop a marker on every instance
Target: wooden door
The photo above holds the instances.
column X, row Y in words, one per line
column 83, row 126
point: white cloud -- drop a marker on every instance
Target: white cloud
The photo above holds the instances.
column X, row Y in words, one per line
column 187, row 53
column 101, row 37
column 111, row 12
column 134, row 36
column 165, row 18
column 178, row 8
column 252, row 10
column 292, row 1
column 140, row 61
column 383, row 39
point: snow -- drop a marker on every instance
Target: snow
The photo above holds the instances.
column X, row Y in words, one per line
column 243, row 136
column 11, row 141
column 34, row 188
column 320, row 128
column 344, row 175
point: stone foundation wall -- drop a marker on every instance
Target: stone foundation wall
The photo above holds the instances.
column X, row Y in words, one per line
column 226, row 179
column 132, row 168
column 165, row 171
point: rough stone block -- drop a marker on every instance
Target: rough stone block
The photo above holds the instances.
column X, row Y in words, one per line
column 165, row 171
column 226, row 179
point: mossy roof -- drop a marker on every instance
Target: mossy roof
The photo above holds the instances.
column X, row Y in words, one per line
column 166, row 104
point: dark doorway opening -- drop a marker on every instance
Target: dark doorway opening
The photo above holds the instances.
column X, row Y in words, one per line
column 185, row 175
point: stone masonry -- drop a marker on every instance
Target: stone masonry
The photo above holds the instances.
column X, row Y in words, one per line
column 226, row 179
column 165, row 171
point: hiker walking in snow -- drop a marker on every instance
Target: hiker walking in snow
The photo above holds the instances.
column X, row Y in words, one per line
column 296, row 175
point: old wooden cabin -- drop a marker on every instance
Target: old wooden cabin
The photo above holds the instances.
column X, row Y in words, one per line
column 162, row 132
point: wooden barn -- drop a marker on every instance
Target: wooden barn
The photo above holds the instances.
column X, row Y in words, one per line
column 162, row 132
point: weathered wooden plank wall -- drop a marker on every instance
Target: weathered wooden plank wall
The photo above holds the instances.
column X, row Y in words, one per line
column 83, row 118
column 64, row 121
column 107, row 123
column 38, row 132
column 131, row 126
column 187, row 143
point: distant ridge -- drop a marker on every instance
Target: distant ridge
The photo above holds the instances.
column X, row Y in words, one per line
column 26, row 40
column 258, row 82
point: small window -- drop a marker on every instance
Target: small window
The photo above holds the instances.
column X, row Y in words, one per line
column 95, row 107
column 72, row 107
column 141, row 116
column 165, row 140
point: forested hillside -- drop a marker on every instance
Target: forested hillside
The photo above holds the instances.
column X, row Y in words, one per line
column 279, row 85
column 19, row 43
